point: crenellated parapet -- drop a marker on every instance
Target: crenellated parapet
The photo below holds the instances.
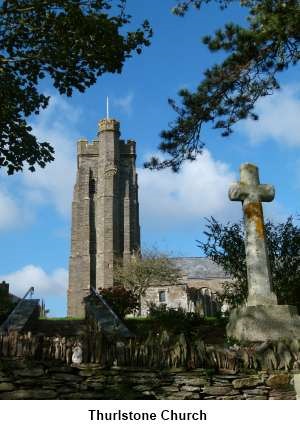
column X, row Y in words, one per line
column 108, row 124
column 86, row 148
column 128, row 148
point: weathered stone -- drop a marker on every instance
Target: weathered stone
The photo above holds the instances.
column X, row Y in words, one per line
column 66, row 377
column 278, row 380
column 87, row 372
column 98, row 379
column 5, row 379
column 251, row 381
column 64, row 390
column 96, row 385
column 62, row 369
column 181, row 395
column 215, row 390
column 34, row 394
column 80, row 396
column 252, row 193
column 32, row 373
column 259, row 323
column 296, row 381
column 261, row 319
column 282, row 395
column 238, row 397
column 169, row 388
column 256, row 392
column 140, row 388
column 248, row 397
column 6, row 386
column 190, row 381
column 190, row 388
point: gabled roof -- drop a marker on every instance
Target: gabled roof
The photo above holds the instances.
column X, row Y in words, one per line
column 199, row 268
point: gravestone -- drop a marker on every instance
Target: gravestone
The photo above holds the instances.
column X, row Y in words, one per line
column 260, row 318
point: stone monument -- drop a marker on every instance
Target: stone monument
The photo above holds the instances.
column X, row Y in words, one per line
column 261, row 318
column 105, row 213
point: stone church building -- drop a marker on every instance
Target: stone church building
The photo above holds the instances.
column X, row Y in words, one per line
column 105, row 227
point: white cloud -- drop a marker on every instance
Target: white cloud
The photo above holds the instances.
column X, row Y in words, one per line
column 46, row 284
column 124, row 103
column 278, row 118
column 54, row 184
column 200, row 189
column 50, row 186
column 12, row 214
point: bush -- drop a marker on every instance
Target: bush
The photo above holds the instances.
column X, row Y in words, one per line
column 177, row 319
column 121, row 300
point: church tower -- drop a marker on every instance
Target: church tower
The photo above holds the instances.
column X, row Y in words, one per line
column 105, row 213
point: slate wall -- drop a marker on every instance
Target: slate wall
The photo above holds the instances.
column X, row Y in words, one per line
column 21, row 379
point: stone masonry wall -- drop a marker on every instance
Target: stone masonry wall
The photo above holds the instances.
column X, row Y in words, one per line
column 53, row 380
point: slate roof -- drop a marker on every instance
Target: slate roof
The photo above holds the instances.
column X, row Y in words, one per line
column 199, row 268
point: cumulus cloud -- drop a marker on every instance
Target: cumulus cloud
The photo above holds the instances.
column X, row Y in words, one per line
column 50, row 186
column 12, row 214
column 278, row 118
column 200, row 189
column 53, row 185
column 46, row 284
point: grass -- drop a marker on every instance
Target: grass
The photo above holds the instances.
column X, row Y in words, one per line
column 60, row 318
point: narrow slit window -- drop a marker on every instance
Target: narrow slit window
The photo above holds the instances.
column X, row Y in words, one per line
column 162, row 296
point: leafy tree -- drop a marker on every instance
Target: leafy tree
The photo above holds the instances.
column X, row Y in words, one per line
column 225, row 246
column 72, row 42
column 153, row 268
column 122, row 301
column 256, row 54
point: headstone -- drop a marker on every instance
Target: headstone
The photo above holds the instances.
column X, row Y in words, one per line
column 260, row 318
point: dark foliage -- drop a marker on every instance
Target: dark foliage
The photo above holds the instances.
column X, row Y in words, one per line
column 72, row 42
column 229, row 91
column 175, row 322
column 6, row 305
column 122, row 300
column 225, row 246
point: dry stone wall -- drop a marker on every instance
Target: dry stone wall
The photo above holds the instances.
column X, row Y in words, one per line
column 21, row 379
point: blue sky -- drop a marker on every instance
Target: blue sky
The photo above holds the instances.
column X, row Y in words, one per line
column 35, row 208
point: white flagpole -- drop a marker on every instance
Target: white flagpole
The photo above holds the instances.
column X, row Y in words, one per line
column 107, row 108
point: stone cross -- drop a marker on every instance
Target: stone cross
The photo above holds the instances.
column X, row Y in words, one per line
column 251, row 193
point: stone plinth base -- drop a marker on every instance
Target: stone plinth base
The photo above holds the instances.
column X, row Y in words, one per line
column 264, row 322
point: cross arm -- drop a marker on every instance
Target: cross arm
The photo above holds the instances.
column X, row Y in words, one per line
column 266, row 192
column 238, row 191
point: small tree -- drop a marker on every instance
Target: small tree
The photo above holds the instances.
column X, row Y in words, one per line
column 153, row 268
column 225, row 246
